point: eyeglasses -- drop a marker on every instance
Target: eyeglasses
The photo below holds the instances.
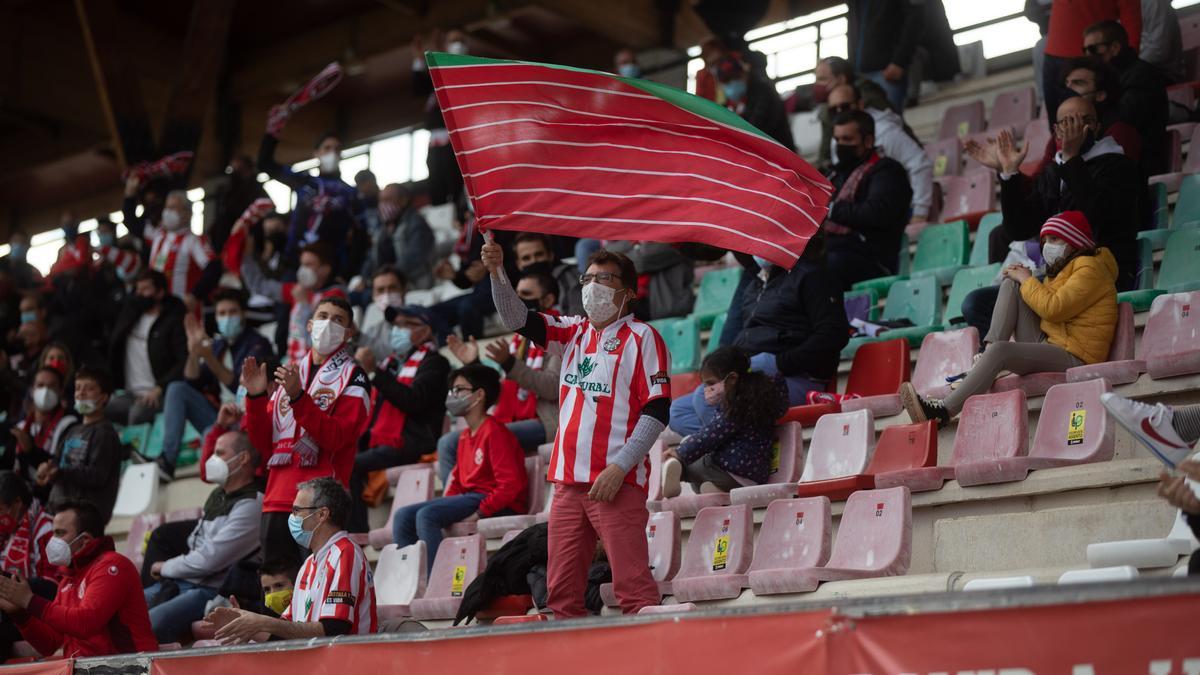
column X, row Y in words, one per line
column 1087, row 119
column 841, row 108
column 1094, row 49
column 459, row 392
column 602, row 277
column 297, row 509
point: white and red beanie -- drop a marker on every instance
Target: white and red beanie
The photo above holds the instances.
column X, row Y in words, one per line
column 1072, row 227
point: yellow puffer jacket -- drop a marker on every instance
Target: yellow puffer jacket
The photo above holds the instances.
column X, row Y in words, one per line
column 1078, row 306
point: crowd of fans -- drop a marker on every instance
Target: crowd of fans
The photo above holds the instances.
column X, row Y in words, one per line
column 298, row 424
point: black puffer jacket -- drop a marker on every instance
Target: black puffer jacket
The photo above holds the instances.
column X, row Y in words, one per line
column 167, row 342
column 877, row 214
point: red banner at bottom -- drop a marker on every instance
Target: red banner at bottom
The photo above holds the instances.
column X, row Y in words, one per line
column 1155, row 636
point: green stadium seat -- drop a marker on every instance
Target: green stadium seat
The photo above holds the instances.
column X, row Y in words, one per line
column 979, row 250
column 1180, row 261
column 154, row 439
column 716, row 292
column 881, row 284
column 714, row 336
column 1142, row 297
column 919, row 301
column 136, row 436
column 965, row 281
column 682, row 337
column 942, row 250
column 1186, row 215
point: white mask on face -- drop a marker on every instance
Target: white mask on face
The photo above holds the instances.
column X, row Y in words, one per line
column 1054, row 253
column 457, row 47
column 58, row 551
column 45, row 399
column 327, row 336
column 216, row 471
column 329, row 162
column 598, row 302
column 306, row 277
column 385, row 300
column 171, row 219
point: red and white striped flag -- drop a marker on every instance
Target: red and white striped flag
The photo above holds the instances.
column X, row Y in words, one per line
column 582, row 153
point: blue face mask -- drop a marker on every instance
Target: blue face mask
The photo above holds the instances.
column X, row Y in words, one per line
column 28, row 317
column 296, row 527
column 401, row 340
column 629, row 70
column 229, row 326
column 106, row 239
column 18, row 251
column 735, row 90
column 239, row 398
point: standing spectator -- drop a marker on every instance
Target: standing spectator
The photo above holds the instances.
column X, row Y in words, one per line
column 882, row 37
column 311, row 423
column 87, row 462
column 38, row 435
column 148, row 348
column 750, row 94
column 600, row 491
column 226, row 533
column 1162, row 41
column 892, row 141
column 711, row 53
column 99, row 609
column 1095, row 81
column 488, row 478
column 334, row 593
column 535, row 256
column 410, row 397
column 1143, row 101
column 388, row 288
column 1038, row 12
column 1068, row 19
column 209, row 374
column 870, row 208
column 23, row 275
column 404, row 239
column 185, row 258
column 666, row 278
column 445, row 179
column 236, row 192
column 315, row 280
column 832, row 72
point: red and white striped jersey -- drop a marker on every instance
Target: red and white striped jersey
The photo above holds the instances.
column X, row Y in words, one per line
column 182, row 256
column 335, row 583
column 606, row 378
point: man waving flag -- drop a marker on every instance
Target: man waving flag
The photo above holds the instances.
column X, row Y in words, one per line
column 581, row 153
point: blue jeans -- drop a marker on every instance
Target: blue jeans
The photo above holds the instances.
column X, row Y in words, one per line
column 690, row 413
column 183, row 403
column 530, row 434
column 424, row 521
column 584, row 248
column 897, row 92
column 174, row 617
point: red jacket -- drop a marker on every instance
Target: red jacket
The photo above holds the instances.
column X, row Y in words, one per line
column 1070, row 18
column 490, row 461
column 210, row 446
column 100, row 609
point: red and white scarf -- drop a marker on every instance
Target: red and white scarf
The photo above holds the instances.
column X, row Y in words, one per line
column 17, row 550
column 331, row 380
column 849, row 190
column 516, row 403
column 388, row 428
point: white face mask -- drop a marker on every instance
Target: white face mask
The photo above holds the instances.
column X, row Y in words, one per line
column 171, row 219
column 306, row 277
column 58, row 551
column 216, row 471
column 86, row 406
column 329, row 162
column 327, row 336
column 598, row 302
column 457, row 47
column 1054, row 253
column 45, row 399
column 389, row 300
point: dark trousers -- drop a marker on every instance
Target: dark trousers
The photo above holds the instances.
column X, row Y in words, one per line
column 166, row 541
column 375, row 459
column 445, row 179
column 276, row 541
column 733, row 317
column 468, row 311
column 850, row 266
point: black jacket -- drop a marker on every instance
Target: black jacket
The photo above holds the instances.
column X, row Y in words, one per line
column 1143, row 104
column 167, row 342
column 883, row 32
column 765, row 110
column 1105, row 188
column 423, row 400
column 878, row 214
column 798, row 316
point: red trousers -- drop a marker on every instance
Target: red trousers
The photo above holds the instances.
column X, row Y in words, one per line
column 575, row 523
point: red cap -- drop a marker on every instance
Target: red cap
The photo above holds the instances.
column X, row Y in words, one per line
column 1072, row 227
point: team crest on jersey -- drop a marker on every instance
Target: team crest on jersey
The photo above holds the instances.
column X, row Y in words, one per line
column 611, row 344
column 479, row 455
column 586, row 366
column 324, row 398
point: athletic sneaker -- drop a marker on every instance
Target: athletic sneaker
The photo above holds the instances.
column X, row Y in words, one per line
column 1151, row 426
column 672, row 470
column 922, row 409
column 166, row 471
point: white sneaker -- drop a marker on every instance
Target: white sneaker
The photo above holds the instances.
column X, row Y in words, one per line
column 672, row 470
column 1150, row 425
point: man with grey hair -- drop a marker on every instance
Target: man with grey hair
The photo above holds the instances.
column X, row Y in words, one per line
column 334, row 594
column 225, row 534
column 191, row 268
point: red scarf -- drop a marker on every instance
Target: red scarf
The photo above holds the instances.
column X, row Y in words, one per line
column 388, row 428
column 850, row 188
column 515, row 403
column 45, row 431
column 22, row 540
column 288, row 437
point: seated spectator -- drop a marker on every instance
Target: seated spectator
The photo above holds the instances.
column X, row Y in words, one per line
column 795, row 326
column 666, row 279
column 315, row 280
column 410, row 395
column 56, row 355
column 1063, row 322
column 1090, row 173
column 226, row 533
column 1180, row 491
column 891, row 140
column 99, row 609
column 25, row 529
column 404, row 239
column 147, row 350
column 278, row 582
column 870, row 208
column 831, row 72
column 751, row 94
column 1161, row 44
column 86, row 466
column 535, row 255
column 334, row 593
column 388, row 288
column 1143, row 102
column 46, row 421
column 489, row 477
column 733, row 448
column 209, row 375
column 528, row 403
column 311, row 423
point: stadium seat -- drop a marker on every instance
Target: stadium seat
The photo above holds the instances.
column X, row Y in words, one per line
column 999, row 583
column 674, row 608
column 786, row 454
column 961, row 120
column 414, row 485
column 979, row 249
column 1146, row 553
column 795, row 536
column 1013, row 108
column 682, row 337
column 509, row 536
column 919, row 301
column 942, row 250
column 459, row 560
column 838, row 454
column 881, row 284
column 1177, row 167
column 1121, row 367
column 401, row 576
column 1169, row 345
column 1180, row 260
column 688, row 502
column 966, row 280
column 991, row 427
column 137, row 437
column 905, row 446
column 1033, row 384
column 138, row 492
column 861, row 305
column 654, row 480
column 498, row 525
column 684, row 383
column 970, row 166
column 1073, row 428
column 1098, row 575
column 942, row 355
column 714, row 335
column 1037, row 137
column 875, row 376
column 663, row 542
column 715, row 294
column 946, row 156
column 1145, row 293
column 139, row 533
column 179, row 515
column 969, row 197
column 718, row 554
column 1185, row 215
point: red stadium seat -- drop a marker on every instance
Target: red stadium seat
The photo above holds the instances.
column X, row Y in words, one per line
column 796, row 535
column 459, row 560
column 1169, row 343
column 946, row 156
column 654, row 480
column 684, row 383
column 991, row 427
column 677, row 608
column 719, row 549
column 139, row 532
column 785, row 470
column 960, row 120
column 875, row 375
column 401, row 575
column 1037, row 137
column 1121, row 366
column 527, row 618
column 905, row 446
column 1012, row 109
column 498, row 525
column 969, row 197
column 414, row 485
column 506, row 606
column 1033, row 384
column 838, row 456
column 663, row 542
column 944, row 354
column 1177, row 168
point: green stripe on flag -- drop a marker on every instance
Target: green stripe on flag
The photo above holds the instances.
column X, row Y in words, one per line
column 676, row 97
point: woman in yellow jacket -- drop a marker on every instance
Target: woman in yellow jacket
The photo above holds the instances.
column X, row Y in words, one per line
column 1065, row 321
